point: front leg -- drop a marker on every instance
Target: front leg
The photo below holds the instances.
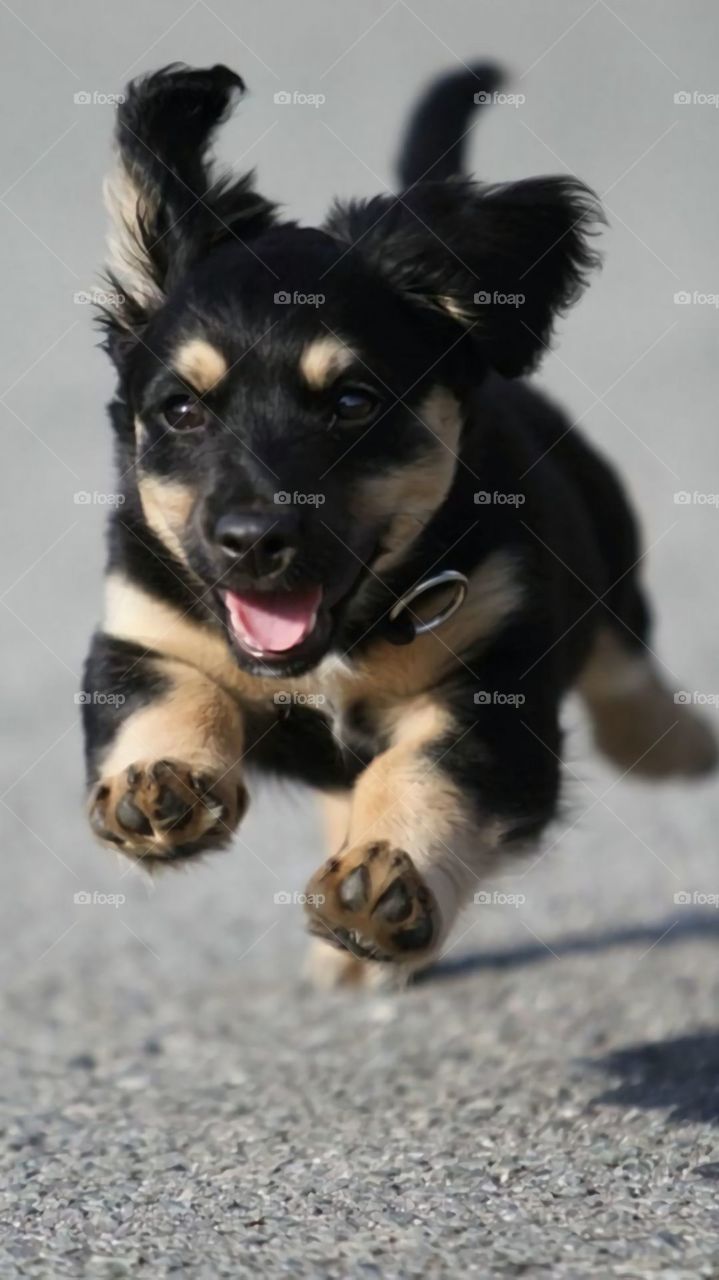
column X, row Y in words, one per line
column 164, row 745
column 460, row 782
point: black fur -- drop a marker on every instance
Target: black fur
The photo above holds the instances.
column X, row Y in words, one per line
column 434, row 145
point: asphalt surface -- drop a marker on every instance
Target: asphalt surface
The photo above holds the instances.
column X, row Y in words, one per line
column 176, row 1101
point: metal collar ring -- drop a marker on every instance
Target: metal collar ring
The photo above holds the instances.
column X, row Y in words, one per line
column 430, row 584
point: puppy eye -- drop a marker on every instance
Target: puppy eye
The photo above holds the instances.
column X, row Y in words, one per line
column 354, row 405
column 182, row 413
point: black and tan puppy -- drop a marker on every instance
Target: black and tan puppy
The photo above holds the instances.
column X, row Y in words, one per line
column 355, row 549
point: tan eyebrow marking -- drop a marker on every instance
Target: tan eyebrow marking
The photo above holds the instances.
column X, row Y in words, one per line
column 200, row 364
column 322, row 360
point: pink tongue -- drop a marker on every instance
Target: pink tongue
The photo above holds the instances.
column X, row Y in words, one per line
column 272, row 622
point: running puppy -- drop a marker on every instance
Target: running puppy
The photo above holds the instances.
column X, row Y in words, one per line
column 355, row 549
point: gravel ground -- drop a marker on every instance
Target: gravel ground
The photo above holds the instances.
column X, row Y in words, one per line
column 175, row 1101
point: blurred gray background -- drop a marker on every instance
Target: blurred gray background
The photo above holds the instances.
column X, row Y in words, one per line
column 177, row 1102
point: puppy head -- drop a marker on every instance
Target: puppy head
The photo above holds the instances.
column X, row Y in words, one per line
column 296, row 394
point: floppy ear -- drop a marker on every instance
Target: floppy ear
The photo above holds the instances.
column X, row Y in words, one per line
column 166, row 207
column 503, row 261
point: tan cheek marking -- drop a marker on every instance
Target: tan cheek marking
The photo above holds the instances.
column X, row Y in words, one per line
column 200, row 364
column 411, row 494
column 322, row 360
column 166, row 506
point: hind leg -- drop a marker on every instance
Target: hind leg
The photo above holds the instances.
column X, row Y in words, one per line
column 639, row 723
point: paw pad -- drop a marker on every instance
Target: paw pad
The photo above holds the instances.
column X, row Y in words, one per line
column 372, row 902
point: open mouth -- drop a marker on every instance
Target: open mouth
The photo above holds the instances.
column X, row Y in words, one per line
column 274, row 625
column 288, row 632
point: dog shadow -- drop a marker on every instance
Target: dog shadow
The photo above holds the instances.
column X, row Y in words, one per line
column 679, row 1075
column 662, row 933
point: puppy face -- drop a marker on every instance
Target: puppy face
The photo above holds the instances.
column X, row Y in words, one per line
column 287, row 450
column 295, row 394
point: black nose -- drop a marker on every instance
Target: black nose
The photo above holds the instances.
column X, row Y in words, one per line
column 260, row 544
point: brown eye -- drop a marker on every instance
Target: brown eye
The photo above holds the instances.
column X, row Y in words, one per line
column 182, row 413
column 355, row 405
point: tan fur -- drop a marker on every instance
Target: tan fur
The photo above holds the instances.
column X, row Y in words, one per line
column 410, row 819
column 413, row 492
column 400, row 789
column 322, row 360
column 387, row 672
column 199, row 364
column 384, row 674
column 195, row 722
column 326, row 967
column 134, row 614
column 336, row 806
column 167, row 506
column 636, row 721
column 127, row 258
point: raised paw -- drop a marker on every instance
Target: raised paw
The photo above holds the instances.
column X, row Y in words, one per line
column 165, row 810
column 372, row 902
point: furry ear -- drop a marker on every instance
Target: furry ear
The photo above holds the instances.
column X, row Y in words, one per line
column 504, row 261
column 166, row 207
